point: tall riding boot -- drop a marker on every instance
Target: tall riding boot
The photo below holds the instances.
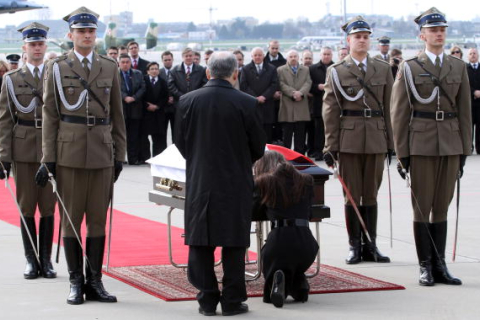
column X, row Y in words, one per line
column 31, row 268
column 354, row 236
column 424, row 253
column 370, row 251
column 94, row 289
column 74, row 257
column 440, row 270
column 46, row 240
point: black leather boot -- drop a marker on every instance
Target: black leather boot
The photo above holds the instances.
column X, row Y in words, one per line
column 370, row 250
column 354, row 236
column 74, row 257
column 94, row 289
column 45, row 249
column 440, row 270
column 303, row 288
column 424, row 253
column 31, row 268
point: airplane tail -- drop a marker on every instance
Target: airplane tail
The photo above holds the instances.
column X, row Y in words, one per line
column 151, row 35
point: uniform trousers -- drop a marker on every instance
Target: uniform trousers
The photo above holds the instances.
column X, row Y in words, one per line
column 85, row 192
column 29, row 194
column 201, row 275
column 362, row 174
column 433, row 184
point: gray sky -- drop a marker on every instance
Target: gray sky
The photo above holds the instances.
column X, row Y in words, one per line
column 264, row 10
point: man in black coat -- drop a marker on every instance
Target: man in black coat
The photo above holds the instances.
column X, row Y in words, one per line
column 133, row 88
column 167, row 60
column 259, row 79
column 184, row 78
column 155, row 100
column 473, row 69
column 137, row 62
column 219, row 133
column 318, row 73
column 275, row 58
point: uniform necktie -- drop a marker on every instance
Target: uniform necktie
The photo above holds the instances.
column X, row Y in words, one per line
column 361, row 66
column 438, row 67
column 85, row 66
column 135, row 65
column 35, row 75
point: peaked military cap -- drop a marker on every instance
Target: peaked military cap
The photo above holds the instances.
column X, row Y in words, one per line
column 431, row 18
column 357, row 24
column 82, row 18
column 13, row 58
column 34, row 32
column 384, row 41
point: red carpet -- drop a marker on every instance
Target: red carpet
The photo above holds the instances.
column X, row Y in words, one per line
column 139, row 257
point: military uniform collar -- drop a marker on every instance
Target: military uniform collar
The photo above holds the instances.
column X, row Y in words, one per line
column 433, row 56
column 31, row 67
column 80, row 57
column 364, row 61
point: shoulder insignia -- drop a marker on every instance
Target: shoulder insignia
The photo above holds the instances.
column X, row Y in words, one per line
column 107, row 58
column 337, row 64
column 13, row 71
column 412, row 58
column 380, row 60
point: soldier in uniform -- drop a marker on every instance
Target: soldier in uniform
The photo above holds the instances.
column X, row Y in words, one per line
column 13, row 60
column 383, row 46
column 433, row 136
column 21, row 144
column 356, row 114
column 84, row 145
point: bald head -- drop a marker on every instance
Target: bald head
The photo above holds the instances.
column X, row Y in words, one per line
column 292, row 58
column 473, row 55
column 257, row 55
column 273, row 48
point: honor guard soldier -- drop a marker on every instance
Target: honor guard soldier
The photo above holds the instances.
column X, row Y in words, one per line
column 21, row 144
column 432, row 130
column 13, row 60
column 83, row 148
column 383, row 47
column 356, row 114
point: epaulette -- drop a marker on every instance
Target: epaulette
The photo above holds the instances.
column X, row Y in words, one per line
column 337, row 63
column 108, row 58
column 380, row 60
column 13, row 71
column 412, row 58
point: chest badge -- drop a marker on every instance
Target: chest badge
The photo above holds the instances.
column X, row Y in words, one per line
column 106, row 91
column 70, row 90
column 350, row 91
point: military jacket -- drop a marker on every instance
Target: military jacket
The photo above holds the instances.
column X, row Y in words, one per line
column 19, row 142
column 358, row 134
column 429, row 137
column 79, row 145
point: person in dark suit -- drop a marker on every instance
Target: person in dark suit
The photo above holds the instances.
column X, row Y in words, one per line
column 133, row 89
column 275, row 58
column 285, row 195
column 167, row 60
column 474, row 77
column 259, row 79
column 184, row 78
column 219, row 133
column 318, row 73
column 137, row 62
column 155, row 100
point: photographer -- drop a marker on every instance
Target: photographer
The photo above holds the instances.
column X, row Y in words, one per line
column 395, row 60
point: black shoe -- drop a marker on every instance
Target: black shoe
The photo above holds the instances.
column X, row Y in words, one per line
column 424, row 253
column 354, row 236
column 94, row 289
column 354, row 253
column 278, row 289
column 75, row 296
column 45, row 247
column 439, row 267
column 302, row 292
column 370, row 250
column 242, row 308
column 426, row 278
column 32, row 269
column 207, row 313
column 371, row 253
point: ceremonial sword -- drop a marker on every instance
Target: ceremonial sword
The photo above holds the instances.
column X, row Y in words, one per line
column 456, row 222
column 22, row 218
column 111, row 222
column 390, row 203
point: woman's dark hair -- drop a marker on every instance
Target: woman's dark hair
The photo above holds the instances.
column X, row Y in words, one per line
column 271, row 174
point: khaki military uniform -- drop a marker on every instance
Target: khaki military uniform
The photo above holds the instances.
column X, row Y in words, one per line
column 361, row 141
column 380, row 56
column 84, row 154
column 432, row 145
column 21, row 142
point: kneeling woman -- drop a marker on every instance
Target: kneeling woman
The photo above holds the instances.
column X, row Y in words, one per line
column 290, row 250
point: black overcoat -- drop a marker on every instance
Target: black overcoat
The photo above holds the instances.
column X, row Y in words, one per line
column 219, row 133
column 263, row 84
column 318, row 73
column 133, row 110
column 178, row 84
column 157, row 94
